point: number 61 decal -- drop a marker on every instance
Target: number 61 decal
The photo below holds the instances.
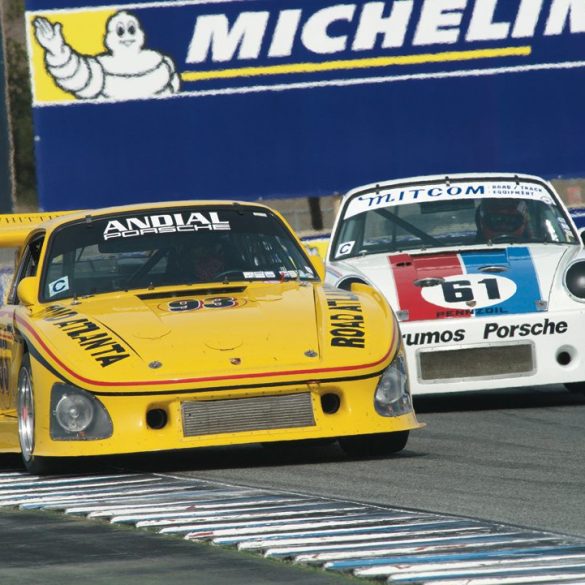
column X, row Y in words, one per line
column 465, row 290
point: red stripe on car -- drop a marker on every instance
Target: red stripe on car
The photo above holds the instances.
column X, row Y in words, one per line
column 409, row 270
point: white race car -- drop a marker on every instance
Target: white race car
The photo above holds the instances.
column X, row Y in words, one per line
column 486, row 274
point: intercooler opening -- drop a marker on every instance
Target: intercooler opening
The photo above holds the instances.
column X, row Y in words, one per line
column 211, row 417
column 477, row 362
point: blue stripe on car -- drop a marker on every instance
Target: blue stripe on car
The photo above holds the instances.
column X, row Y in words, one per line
column 519, row 268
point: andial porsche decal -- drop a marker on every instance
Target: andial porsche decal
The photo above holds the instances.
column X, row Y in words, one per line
column 164, row 223
column 439, row 286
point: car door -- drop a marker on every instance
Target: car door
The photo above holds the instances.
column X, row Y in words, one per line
column 10, row 345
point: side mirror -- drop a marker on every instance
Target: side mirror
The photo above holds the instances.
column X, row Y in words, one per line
column 581, row 232
column 318, row 265
column 27, row 291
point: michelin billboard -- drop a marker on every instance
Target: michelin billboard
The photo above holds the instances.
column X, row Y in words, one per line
column 248, row 99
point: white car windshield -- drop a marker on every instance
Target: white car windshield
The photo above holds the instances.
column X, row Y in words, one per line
column 169, row 247
column 422, row 217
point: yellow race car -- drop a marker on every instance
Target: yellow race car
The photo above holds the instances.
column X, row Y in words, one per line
column 188, row 324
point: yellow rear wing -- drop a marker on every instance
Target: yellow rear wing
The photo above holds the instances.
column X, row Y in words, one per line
column 15, row 227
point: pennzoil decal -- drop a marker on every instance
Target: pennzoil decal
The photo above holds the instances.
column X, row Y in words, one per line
column 93, row 338
column 201, row 47
column 345, row 320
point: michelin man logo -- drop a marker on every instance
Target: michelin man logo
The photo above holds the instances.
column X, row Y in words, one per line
column 126, row 70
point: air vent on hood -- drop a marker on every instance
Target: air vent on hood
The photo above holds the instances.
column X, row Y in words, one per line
column 493, row 269
column 223, row 290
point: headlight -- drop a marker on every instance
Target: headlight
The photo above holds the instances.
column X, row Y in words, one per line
column 392, row 396
column 74, row 412
column 575, row 280
column 78, row 415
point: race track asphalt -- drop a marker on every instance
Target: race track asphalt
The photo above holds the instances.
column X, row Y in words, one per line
column 42, row 548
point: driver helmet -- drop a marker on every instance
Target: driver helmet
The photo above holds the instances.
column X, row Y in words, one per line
column 208, row 260
column 499, row 217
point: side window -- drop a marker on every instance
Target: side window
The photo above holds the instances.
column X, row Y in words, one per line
column 8, row 259
column 28, row 266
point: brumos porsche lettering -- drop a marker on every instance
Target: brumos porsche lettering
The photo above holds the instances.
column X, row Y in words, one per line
column 373, row 25
column 164, row 223
column 90, row 336
column 345, row 319
column 546, row 327
column 433, row 337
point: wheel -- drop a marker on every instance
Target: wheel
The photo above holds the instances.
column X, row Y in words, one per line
column 369, row 445
column 26, row 423
column 576, row 387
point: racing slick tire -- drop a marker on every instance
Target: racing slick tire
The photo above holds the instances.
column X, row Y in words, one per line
column 576, row 387
column 26, row 423
column 374, row 445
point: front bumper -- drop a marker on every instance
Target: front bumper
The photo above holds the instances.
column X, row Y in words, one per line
column 495, row 352
column 222, row 417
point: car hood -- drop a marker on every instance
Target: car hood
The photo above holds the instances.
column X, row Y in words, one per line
column 216, row 336
column 463, row 283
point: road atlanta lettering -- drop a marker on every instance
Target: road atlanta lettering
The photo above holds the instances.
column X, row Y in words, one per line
column 546, row 327
column 348, row 330
column 346, row 321
column 164, row 224
column 91, row 337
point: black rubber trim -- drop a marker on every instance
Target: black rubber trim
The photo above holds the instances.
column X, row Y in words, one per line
column 240, row 386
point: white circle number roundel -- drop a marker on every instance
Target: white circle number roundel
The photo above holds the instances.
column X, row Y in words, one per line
column 465, row 291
